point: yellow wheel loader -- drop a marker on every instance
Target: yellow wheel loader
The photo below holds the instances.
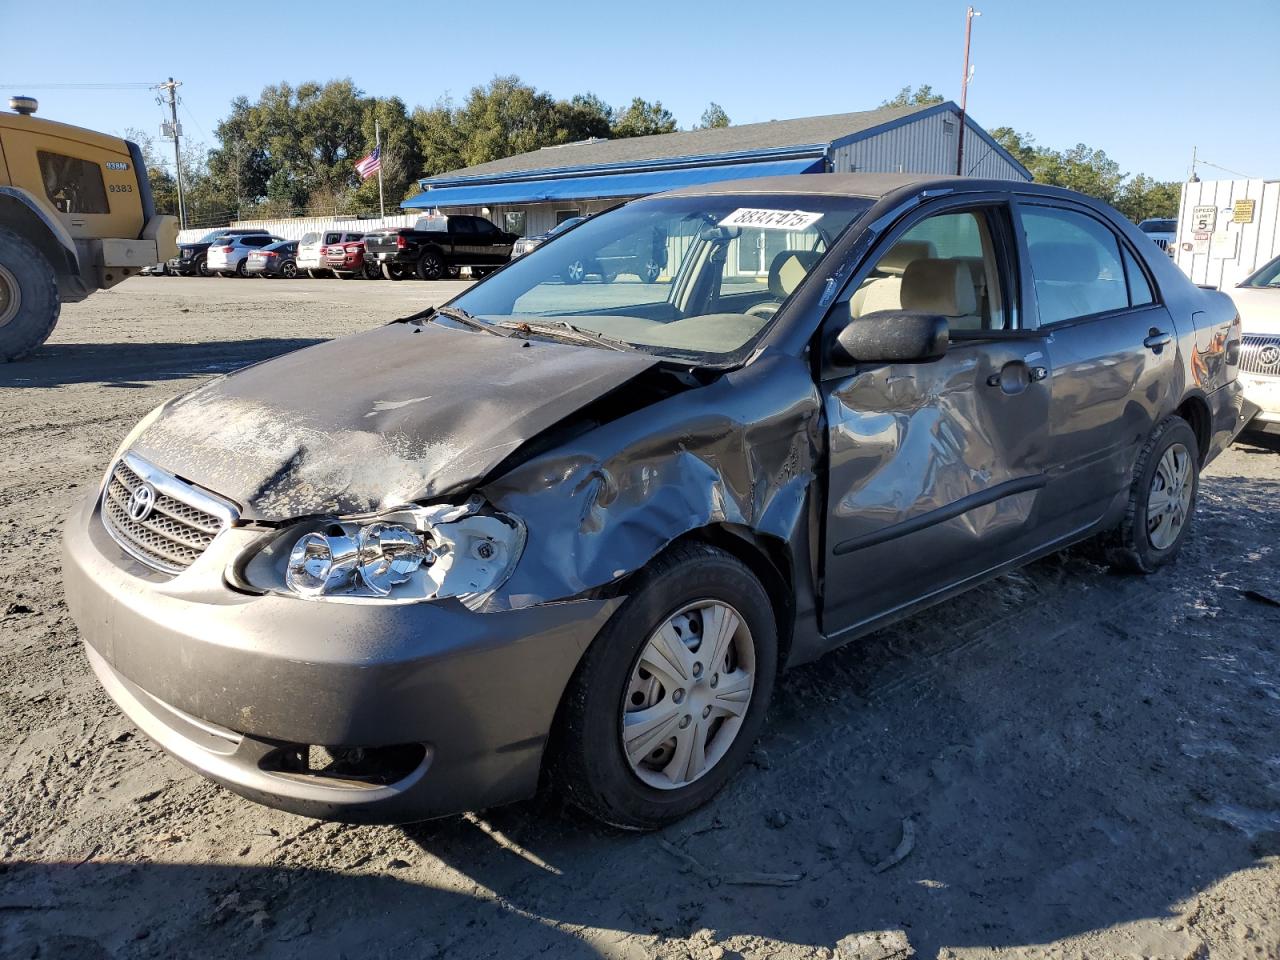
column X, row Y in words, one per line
column 76, row 215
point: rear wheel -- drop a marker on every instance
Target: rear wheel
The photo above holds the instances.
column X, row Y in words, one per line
column 1162, row 500
column 668, row 699
column 29, row 304
column 392, row 272
column 202, row 268
column 430, row 266
column 650, row 272
column 288, row 269
column 575, row 272
column 371, row 271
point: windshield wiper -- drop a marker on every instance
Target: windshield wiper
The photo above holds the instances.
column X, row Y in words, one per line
column 457, row 313
column 567, row 331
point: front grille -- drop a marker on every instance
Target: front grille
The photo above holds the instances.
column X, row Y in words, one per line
column 174, row 534
column 1260, row 355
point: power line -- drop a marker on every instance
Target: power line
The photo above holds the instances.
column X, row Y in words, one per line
column 78, row 86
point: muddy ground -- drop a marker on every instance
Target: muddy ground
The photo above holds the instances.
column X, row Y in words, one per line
column 1089, row 764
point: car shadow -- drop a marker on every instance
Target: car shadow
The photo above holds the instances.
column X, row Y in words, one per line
column 1072, row 751
column 138, row 364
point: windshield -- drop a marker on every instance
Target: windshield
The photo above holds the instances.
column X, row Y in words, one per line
column 695, row 278
column 560, row 228
column 1268, row 276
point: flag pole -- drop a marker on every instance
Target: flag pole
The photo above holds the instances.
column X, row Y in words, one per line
column 377, row 145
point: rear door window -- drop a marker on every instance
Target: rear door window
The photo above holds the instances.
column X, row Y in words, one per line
column 71, row 184
column 1077, row 265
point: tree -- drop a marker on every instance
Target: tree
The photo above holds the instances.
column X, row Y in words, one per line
column 642, row 119
column 922, row 96
column 713, row 116
column 585, row 116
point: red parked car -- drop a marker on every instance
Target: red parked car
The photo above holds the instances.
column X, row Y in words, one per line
column 346, row 260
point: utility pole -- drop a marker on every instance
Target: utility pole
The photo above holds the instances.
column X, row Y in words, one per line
column 964, row 89
column 1192, row 178
column 377, row 147
column 174, row 129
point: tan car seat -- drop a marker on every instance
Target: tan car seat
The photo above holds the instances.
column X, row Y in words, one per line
column 942, row 287
column 884, row 293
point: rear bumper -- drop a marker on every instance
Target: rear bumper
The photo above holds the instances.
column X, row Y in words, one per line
column 228, row 683
column 1228, row 415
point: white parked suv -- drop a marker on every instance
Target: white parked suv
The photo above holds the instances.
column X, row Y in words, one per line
column 311, row 259
column 231, row 254
column 1258, row 300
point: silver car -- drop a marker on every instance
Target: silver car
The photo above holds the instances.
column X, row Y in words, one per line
column 230, row 255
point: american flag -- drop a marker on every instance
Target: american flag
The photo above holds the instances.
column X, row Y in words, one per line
column 370, row 165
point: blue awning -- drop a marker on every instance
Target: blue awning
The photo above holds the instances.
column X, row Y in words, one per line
column 586, row 187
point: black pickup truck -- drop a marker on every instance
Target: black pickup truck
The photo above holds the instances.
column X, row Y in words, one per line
column 436, row 247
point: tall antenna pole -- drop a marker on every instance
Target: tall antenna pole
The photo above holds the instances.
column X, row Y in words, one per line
column 176, row 132
column 377, row 145
column 964, row 89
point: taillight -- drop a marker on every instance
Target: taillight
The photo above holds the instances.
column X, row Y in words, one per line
column 270, row 253
column 324, row 250
column 228, row 249
column 399, row 242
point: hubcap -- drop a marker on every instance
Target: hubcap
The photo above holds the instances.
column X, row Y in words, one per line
column 1169, row 501
column 10, row 295
column 689, row 693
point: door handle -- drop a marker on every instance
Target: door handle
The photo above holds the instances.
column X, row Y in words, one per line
column 1034, row 374
column 1157, row 339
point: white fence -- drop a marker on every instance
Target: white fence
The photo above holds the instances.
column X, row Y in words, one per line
column 295, row 228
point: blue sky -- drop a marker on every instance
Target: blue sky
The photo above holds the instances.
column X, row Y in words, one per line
column 1143, row 81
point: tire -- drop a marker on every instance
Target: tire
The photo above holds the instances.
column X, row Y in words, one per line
column 588, row 762
column 343, row 275
column 1140, row 545
column 371, row 271
column 289, row 270
column 29, row 304
column 242, row 268
column 202, row 268
column 575, row 272
column 430, row 266
column 650, row 271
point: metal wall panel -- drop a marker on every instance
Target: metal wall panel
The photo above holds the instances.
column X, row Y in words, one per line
column 1247, row 246
column 927, row 145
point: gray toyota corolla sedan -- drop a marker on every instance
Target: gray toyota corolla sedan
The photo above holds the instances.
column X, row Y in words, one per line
column 574, row 531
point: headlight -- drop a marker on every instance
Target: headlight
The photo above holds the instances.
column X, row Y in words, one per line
column 416, row 553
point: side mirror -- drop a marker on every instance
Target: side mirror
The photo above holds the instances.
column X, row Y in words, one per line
column 891, row 336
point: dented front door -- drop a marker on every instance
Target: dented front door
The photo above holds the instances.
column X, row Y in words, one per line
column 935, row 474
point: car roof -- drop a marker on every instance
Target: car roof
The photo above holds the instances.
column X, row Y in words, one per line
column 870, row 186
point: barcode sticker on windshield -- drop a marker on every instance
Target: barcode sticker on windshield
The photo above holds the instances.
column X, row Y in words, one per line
column 771, row 219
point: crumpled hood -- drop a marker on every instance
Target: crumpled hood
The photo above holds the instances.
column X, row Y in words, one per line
column 402, row 413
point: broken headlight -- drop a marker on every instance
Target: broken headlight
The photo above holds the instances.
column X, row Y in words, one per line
column 416, row 553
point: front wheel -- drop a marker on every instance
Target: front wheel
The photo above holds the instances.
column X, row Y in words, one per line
column 371, row 271
column 666, row 703
column 29, row 303
column 1162, row 500
column 575, row 272
column 202, row 268
column 651, row 271
column 242, row 268
column 392, row 272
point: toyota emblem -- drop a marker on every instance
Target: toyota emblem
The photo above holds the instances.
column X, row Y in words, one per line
column 141, row 502
column 1269, row 355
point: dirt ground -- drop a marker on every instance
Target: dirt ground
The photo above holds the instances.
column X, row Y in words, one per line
column 1083, row 764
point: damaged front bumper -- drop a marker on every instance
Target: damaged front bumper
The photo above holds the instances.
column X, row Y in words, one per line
column 344, row 711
